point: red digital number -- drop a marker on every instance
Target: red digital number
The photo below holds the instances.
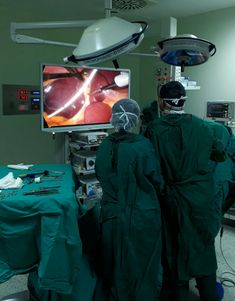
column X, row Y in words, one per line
column 22, row 97
column 20, row 92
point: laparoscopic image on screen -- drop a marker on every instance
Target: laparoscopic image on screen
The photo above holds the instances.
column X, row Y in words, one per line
column 75, row 96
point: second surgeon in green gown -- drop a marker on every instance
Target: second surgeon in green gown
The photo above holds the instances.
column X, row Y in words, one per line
column 184, row 145
column 130, row 244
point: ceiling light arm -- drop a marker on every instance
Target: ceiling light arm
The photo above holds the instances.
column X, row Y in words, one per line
column 108, row 8
column 144, row 54
column 25, row 39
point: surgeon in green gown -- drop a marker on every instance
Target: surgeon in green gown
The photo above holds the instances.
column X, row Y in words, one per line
column 130, row 241
column 185, row 144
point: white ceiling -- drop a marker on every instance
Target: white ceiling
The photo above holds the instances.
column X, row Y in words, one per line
column 158, row 9
column 60, row 10
column 153, row 10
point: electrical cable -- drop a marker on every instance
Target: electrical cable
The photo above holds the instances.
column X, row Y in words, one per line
column 226, row 281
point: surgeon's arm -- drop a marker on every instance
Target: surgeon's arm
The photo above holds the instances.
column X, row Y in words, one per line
column 230, row 199
column 148, row 170
column 218, row 153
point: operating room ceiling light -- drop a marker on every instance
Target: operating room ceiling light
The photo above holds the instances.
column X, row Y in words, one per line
column 107, row 39
column 102, row 40
column 185, row 50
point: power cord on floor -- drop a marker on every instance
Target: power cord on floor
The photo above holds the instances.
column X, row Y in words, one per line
column 226, row 281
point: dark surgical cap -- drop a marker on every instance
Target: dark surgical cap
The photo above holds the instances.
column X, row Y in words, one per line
column 173, row 93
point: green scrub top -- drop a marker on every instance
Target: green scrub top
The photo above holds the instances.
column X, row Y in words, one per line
column 223, row 171
column 184, row 144
column 127, row 169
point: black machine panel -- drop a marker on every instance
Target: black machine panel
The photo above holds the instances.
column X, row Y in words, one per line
column 220, row 109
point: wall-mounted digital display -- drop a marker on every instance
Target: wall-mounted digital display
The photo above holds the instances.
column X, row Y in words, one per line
column 21, row 99
column 220, row 109
column 80, row 98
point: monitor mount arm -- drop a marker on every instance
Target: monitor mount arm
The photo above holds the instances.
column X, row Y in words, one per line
column 25, row 39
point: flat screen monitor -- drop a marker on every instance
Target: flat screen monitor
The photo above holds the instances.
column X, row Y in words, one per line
column 220, row 109
column 80, row 98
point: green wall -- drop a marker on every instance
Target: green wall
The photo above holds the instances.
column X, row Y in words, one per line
column 216, row 77
column 149, row 66
column 21, row 139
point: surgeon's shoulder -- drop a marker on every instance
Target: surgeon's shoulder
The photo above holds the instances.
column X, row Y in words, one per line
column 217, row 129
column 104, row 144
column 200, row 121
column 143, row 141
column 212, row 124
column 152, row 126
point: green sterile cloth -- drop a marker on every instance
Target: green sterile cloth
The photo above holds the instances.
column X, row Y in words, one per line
column 41, row 231
column 82, row 289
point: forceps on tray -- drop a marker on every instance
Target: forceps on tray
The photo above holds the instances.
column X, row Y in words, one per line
column 43, row 191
